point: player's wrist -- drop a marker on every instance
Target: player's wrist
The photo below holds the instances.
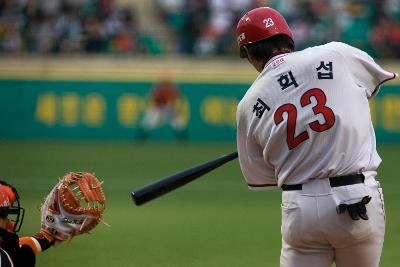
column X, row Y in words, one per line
column 44, row 240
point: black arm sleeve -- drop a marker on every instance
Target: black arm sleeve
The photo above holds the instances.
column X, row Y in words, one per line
column 26, row 257
column 21, row 256
column 5, row 259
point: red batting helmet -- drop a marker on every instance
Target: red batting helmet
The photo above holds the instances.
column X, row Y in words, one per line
column 261, row 23
column 10, row 208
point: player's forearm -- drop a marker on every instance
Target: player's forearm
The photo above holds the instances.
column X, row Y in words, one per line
column 30, row 246
column 37, row 243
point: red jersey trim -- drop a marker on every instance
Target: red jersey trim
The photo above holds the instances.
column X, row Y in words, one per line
column 377, row 87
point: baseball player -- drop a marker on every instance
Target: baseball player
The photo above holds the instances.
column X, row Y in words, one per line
column 17, row 251
column 58, row 222
column 304, row 126
column 165, row 106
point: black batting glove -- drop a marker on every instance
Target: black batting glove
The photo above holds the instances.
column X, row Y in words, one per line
column 356, row 210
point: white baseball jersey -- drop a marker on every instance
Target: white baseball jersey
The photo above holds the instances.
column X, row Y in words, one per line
column 307, row 116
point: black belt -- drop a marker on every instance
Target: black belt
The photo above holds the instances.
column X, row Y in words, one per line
column 334, row 182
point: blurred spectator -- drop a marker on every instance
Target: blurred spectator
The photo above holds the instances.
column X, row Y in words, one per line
column 206, row 27
column 203, row 27
column 355, row 22
column 196, row 27
column 65, row 26
column 385, row 35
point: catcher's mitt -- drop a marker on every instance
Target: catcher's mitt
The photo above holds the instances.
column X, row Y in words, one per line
column 74, row 206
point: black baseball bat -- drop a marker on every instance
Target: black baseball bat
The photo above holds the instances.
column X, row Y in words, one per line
column 172, row 182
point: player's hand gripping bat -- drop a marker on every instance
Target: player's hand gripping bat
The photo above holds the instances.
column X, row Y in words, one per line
column 170, row 183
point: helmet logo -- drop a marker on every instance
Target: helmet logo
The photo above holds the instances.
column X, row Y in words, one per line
column 241, row 37
column 268, row 22
column 6, row 203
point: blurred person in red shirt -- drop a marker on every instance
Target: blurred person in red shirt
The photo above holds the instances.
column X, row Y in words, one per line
column 165, row 105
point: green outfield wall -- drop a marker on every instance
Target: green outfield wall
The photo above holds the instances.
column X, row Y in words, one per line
column 110, row 110
column 53, row 109
column 98, row 97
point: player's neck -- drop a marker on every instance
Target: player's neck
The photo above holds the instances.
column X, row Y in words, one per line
column 259, row 64
column 276, row 53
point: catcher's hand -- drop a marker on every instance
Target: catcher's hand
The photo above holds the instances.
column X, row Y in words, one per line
column 74, row 206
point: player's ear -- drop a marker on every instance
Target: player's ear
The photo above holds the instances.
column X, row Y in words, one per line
column 247, row 54
column 257, row 64
column 243, row 52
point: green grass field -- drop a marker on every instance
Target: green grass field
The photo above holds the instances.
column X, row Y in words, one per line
column 215, row 221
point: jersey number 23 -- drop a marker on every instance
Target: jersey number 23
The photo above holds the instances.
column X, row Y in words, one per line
column 291, row 110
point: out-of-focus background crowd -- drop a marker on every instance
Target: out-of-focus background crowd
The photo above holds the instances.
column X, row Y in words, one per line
column 188, row 27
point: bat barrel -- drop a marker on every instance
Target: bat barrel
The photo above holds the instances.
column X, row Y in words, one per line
column 172, row 182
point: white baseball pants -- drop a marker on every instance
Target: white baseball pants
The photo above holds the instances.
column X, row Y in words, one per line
column 315, row 235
